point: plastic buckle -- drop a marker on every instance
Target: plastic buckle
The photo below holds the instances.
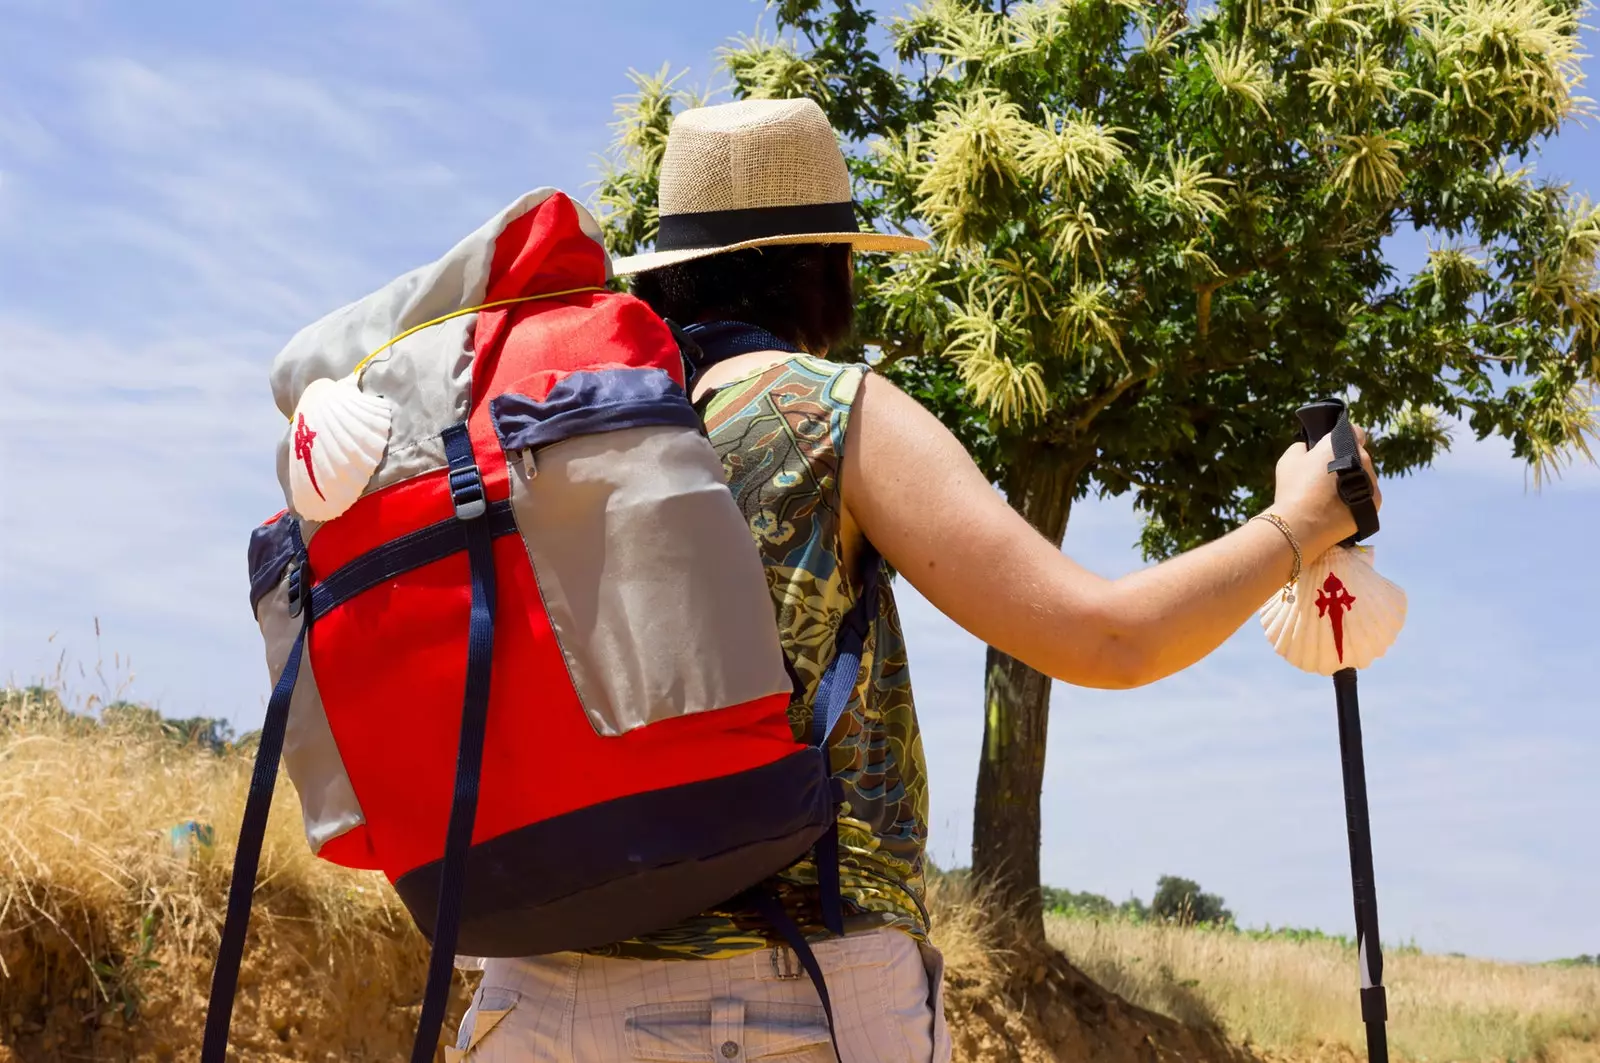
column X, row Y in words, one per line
column 1355, row 486
column 466, row 491
column 296, row 587
column 688, row 350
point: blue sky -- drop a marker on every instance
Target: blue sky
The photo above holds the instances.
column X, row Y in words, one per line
column 184, row 185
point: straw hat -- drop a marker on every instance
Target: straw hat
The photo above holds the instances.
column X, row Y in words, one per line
column 752, row 174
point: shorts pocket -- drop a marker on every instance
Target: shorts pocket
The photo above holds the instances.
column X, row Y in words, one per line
column 722, row 1031
column 489, row 1006
column 774, row 1028
column 678, row 1031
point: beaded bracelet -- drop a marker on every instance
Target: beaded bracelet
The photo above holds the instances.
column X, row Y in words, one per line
column 1294, row 544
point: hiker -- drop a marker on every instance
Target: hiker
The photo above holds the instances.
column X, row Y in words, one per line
column 836, row 472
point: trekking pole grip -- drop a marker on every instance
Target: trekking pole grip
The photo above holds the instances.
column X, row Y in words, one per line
column 1317, row 420
column 1330, row 417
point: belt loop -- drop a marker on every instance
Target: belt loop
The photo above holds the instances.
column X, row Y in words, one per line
column 785, row 965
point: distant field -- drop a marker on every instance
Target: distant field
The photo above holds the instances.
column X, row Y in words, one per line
column 106, row 937
column 1291, row 996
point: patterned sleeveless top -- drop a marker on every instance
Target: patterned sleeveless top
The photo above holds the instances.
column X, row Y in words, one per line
column 781, row 434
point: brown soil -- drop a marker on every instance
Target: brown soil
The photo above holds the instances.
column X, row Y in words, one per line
column 306, row 998
column 1040, row 1009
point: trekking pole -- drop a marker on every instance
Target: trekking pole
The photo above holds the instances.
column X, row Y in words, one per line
column 1327, row 635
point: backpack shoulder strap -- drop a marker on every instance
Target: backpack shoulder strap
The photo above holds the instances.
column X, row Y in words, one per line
column 839, row 679
column 833, row 694
column 253, row 827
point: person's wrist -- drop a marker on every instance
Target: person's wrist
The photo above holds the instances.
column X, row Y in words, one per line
column 1275, row 520
column 1317, row 533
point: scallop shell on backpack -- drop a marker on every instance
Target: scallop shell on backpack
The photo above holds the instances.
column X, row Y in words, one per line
column 1343, row 614
column 336, row 438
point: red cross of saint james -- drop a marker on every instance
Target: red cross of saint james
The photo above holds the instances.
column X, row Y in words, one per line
column 303, row 437
column 1333, row 601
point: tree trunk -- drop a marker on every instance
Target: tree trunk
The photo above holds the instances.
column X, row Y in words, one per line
column 1005, row 828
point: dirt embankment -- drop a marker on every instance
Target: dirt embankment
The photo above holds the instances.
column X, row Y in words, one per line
column 115, row 986
column 1047, row 1010
column 301, row 996
column 305, row 999
column 108, row 928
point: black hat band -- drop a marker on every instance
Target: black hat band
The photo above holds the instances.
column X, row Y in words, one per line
column 722, row 228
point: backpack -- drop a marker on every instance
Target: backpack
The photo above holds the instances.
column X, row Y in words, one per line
column 524, row 654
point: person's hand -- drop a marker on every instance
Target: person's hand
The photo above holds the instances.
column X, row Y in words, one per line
column 1307, row 495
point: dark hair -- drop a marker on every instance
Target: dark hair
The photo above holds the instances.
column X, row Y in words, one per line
column 798, row 292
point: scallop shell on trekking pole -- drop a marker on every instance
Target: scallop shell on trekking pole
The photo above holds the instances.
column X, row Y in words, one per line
column 1340, row 614
column 337, row 437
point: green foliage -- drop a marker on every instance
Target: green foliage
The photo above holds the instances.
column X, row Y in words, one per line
column 1578, row 961
column 1181, row 900
column 215, row 735
column 204, row 731
column 20, row 705
column 120, row 980
column 1176, row 900
column 1066, row 902
column 39, row 704
column 1159, row 230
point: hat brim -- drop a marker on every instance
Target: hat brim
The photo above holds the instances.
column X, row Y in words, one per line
column 858, row 240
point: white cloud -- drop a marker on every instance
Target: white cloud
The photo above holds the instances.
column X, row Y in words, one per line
column 143, row 111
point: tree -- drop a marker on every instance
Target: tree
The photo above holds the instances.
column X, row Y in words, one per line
column 1160, row 230
column 1068, row 901
column 1181, row 900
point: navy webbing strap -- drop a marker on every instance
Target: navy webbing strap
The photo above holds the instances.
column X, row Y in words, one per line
column 247, row 858
column 399, row 556
column 475, row 526
column 716, row 341
column 833, row 695
column 837, row 683
column 768, row 906
column 466, row 490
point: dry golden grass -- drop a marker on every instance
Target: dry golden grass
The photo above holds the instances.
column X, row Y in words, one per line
column 1293, row 997
column 963, row 930
column 84, row 812
column 106, row 939
column 103, row 926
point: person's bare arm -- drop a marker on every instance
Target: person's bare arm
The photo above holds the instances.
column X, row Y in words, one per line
column 917, row 496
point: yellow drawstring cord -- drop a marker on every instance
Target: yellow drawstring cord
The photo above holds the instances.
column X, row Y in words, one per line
column 356, row 372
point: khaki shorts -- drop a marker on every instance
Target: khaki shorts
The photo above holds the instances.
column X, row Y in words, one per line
column 886, row 992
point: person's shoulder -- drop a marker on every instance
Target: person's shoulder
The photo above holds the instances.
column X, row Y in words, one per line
column 840, row 381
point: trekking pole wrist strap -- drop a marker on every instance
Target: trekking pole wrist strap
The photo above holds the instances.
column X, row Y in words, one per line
column 1355, row 486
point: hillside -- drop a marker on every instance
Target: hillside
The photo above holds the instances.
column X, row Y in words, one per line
column 107, row 929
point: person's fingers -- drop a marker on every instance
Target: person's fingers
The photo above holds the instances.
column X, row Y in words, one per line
column 1372, row 475
column 1361, row 435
